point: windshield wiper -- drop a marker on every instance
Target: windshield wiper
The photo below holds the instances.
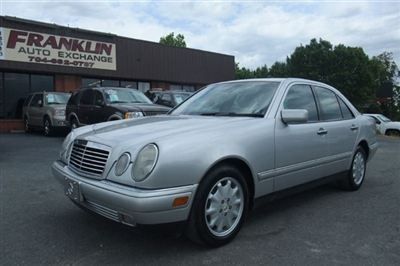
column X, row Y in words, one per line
column 119, row 102
column 55, row 103
column 231, row 114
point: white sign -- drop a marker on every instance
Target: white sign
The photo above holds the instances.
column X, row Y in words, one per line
column 34, row 47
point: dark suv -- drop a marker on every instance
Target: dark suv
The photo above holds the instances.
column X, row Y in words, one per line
column 170, row 98
column 100, row 104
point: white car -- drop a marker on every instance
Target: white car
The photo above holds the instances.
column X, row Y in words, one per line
column 386, row 126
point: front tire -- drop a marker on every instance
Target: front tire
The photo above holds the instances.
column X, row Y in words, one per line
column 356, row 174
column 73, row 123
column 219, row 207
column 27, row 128
column 392, row 132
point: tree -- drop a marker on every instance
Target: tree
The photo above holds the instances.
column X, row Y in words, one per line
column 278, row 70
column 172, row 40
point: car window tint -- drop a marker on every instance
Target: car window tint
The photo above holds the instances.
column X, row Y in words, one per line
column 27, row 100
column 346, row 112
column 87, row 97
column 329, row 105
column 98, row 98
column 36, row 99
column 301, row 97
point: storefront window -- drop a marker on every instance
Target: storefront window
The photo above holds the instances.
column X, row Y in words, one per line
column 42, row 83
column 110, row 83
column 87, row 82
column 143, row 86
column 128, row 84
column 175, row 87
column 188, row 88
column 16, row 88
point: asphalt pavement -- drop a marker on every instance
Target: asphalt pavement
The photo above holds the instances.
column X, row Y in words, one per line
column 322, row 226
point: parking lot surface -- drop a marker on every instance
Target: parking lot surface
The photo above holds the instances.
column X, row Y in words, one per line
column 39, row 226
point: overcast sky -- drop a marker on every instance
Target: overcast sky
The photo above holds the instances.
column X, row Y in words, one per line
column 255, row 32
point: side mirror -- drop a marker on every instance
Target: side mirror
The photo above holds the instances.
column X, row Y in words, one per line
column 293, row 116
column 378, row 122
column 40, row 103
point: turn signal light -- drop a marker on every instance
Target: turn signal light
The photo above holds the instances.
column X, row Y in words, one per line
column 180, row 201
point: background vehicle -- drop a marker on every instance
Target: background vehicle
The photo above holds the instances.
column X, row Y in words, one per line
column 45, row 110
column 100, row 104
column 170, row 98
column 386, row 126
column 216, row 153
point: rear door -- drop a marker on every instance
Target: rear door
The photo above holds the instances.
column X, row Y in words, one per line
column 85, row 106
column 299, row 147
column 341, row 132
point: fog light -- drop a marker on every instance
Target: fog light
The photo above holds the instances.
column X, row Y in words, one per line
column 181, row 201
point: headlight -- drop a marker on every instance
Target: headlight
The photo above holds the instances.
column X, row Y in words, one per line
column 59, row 112
column 122, row 163
column 129, row 115
column 145, row 162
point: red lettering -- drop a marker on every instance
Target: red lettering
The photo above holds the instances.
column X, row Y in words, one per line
column 67, row 43
column 52, row 42
column 77, row 46
column 107, row 48
column 34, row 39
column 15, row 37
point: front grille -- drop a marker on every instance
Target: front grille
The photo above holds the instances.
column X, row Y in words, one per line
column 88, row 159
column 150, row 113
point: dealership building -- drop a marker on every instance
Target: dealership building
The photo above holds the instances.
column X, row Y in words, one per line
column 36, row 56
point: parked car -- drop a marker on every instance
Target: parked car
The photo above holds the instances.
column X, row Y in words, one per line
column 99, row 104
column 215, row 154
column 45, row 110
column 385, row 126
column 171, row 98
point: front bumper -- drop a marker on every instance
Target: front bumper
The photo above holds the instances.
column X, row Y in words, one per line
column 122, row 203
column 59, row 121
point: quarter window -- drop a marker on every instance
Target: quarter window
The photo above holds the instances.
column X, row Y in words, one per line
column 329, row 105
column 36, row 100
column 87, row 97
column 301, row 97
column 346, row 112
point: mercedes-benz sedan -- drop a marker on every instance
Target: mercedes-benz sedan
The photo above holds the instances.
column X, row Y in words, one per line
column 208, row 160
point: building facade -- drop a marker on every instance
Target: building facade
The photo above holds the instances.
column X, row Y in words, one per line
column 37, row 56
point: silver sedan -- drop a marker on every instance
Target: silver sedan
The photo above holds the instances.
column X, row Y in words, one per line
column 215, row 154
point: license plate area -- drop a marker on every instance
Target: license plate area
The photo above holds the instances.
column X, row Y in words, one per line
column 72, row 189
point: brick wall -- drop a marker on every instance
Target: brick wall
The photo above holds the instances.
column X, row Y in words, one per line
column 67, row 83
column 11, row 125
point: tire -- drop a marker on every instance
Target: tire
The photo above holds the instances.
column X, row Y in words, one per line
column 73, row 123
column 356, row 174
column 219, row 207
column 392, row 132
column 27, row 128
column 47, row 127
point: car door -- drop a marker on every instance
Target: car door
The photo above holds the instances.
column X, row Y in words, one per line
column 341, row 133
column 85, row 105
column 35, row 117
column 299, row 147
column 97, row 112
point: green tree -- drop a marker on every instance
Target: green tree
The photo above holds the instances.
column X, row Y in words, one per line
column 278, row 70
column 172, row 40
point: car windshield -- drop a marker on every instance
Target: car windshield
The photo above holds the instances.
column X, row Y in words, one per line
column 57, row 98
column 125, row 96
column 384, row 118
column 180, row 97
column 249, row 98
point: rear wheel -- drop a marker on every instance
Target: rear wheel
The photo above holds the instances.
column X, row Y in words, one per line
column 26, row 125
column 356, row 174
column 47, row 127
column 219, row 208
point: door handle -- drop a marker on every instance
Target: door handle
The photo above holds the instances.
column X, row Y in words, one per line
column 322, row 131
column 354, row 127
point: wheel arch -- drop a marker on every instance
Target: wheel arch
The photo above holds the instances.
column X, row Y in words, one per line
column 364, row 144
column 243, row 166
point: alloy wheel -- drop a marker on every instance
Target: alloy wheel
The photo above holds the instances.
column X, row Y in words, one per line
column 358, row 168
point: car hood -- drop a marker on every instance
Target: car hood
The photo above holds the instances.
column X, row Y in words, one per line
column 143, row 107
column 393, row 125
column 151, row 129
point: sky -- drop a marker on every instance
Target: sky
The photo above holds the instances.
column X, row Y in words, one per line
column 255, row 32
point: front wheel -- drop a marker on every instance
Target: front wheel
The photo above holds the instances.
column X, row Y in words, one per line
column 73, row 123
column 47, row 127
column 392, row 132
column 356, row 174
column 27, row 128
column 219, row 208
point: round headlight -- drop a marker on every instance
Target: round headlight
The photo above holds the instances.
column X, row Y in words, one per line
column 122, row 163
column 145, row 162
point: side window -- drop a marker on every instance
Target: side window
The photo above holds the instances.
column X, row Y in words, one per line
column 87, row 97
column 346, row 112
column 301, row 97
column 74, row 99
column 37, row 99
column 328, row 103
column 98, row 98
column 26, row 102
column 166, row 97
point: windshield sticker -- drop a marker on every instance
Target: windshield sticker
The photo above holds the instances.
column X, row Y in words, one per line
column 50, row 98
column 111, row 92
column 113, row 97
